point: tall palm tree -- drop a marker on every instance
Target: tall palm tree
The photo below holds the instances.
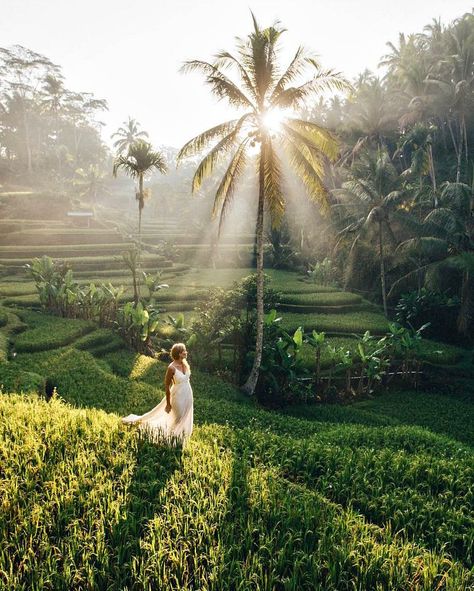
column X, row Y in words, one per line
column 140, row 161
column 370, row 197
column 127, row 135
column 265, row 93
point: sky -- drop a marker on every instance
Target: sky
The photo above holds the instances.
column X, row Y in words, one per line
column 130, row 53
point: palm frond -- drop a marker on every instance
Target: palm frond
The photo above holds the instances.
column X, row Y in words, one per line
column 303, row 164
column 121, row 162
column 226, row 188
column 322, row 140
column 443, row 221
column 458, row 196
column 208, row 163
column 295, row 68
column 201, row 141
column 226, row 59
column 424, row 247
column 140, row 159
column 463, row 261
column 259, row 56
column 362, row 190
column 273, row 193
column 221, row 85
column 295, row 97
column 394, row 198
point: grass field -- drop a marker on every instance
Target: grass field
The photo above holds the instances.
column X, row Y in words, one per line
column 377, row 495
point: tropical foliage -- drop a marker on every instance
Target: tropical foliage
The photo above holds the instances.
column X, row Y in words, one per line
column 47, row 131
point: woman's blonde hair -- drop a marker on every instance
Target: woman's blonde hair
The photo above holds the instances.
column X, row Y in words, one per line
column 176, row 349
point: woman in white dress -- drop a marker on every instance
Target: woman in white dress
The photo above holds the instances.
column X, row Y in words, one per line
column 172, row 419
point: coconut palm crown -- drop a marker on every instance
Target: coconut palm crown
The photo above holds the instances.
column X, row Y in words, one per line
column 140, row 160
column 127, row 135
column 263, row 90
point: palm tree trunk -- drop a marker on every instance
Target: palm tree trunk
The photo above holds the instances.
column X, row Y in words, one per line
column 466, row 310
column 393, row 240
column 432, row 174
column 251, row 383
column 29, row 158
column 382, row 270
column 140, row 208
column 457, row 149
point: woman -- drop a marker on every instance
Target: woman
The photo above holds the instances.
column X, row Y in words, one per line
column 173, row 417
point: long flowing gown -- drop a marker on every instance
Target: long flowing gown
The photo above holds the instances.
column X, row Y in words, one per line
column 178, row 423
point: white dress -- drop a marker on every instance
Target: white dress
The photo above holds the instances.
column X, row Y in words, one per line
column 178, row 423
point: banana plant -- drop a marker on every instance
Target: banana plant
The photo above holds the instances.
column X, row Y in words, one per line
column 346, row 361
column 365, row 354
column 281, row 359
column 316, row 340
column 138, row 325
column 153, row 284
column 332, row 354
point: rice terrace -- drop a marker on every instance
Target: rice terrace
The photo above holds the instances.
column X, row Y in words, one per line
column 237, row 296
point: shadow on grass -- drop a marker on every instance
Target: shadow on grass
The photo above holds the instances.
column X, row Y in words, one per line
column 237, row 546
column 155, row 465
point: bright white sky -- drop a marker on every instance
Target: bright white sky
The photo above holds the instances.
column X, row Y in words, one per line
column 129, row 52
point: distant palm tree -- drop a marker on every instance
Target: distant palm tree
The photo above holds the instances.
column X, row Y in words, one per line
column 90, row 182
column 370, row 115
column 370, row 197
column 265, row 92
column 140, row 160
column 127, row 135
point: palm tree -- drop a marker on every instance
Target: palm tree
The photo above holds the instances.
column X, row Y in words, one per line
column 370, row 198
column 370, row 114
column 418, row 142
column 454, row 77
column 445, row 239
column 90, row 182
column 140, row 160
column 266, row 94
column 127, row 135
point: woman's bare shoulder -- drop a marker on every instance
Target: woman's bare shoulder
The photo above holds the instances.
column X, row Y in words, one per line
column 171, row 367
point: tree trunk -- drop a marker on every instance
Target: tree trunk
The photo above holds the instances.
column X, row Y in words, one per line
column 251, row 383
column 140, row 208
column 29, row 159
column 136, row 295
column 382, row 270
column 458, row 166
column 466, row 310
column 457, row 150
column 432, row 174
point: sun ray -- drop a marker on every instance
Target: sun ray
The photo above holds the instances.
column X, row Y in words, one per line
column 273, row 118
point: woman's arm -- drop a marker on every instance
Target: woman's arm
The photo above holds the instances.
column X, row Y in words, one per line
column 168, row 381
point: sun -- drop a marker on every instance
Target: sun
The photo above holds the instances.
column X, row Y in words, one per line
column 273, row 118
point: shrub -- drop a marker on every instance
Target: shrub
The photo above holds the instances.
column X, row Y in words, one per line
column 324, row 272
column 437, row 309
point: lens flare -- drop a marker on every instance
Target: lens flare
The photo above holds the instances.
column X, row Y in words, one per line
column 273, row 118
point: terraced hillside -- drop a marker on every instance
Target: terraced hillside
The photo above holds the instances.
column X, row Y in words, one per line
column 377, row 495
